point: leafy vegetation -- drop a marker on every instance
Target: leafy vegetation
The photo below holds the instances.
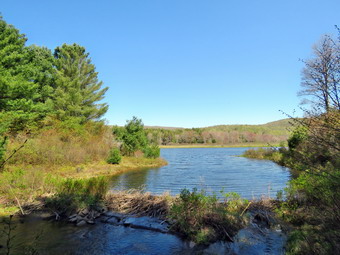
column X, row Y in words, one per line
column 114, row 157
column 36, row 85
column 203, row 219
column 265, row 153
column 50, row 125
column 133, row 139
column 73, row 195
column 312, row 197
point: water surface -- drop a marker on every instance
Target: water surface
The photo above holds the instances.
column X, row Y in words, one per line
column 213, row 169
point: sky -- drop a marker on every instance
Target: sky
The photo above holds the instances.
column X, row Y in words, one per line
column 187, row 63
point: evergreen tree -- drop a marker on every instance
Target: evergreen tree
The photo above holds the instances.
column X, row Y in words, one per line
column 133, row 138
column 77, row 87
column 23, row 93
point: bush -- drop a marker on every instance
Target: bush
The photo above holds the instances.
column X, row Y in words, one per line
column 152, row 151
column 59, row 147
column 76, row 194
column 266, row 153
column 203, row 218
column 114, row 157
column 298, row 136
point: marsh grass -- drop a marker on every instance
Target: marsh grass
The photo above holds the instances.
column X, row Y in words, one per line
column 73, row 195
column 272, row 154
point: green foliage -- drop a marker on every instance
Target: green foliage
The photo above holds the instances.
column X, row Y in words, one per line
column 75, row 194
column 114, row 157
column 276, row 155
column 77, row 87
column 298, row 136
column 24, row 185
column 24, row 87
column 152, row 151
column 132, row 136
column 203, row 218
column 312, row 203
column 35, row 84
column 234, row 202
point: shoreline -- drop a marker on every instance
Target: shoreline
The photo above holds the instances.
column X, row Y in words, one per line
column 238, row 145
column 76, row 172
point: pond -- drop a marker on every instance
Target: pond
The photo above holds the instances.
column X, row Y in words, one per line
column 211, row 169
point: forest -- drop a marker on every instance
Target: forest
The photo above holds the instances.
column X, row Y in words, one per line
column 272, row 133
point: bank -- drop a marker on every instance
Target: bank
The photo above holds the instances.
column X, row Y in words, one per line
column 21, row 184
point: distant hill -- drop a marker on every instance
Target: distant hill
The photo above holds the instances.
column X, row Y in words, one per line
column 279, row 127
column 272, row 132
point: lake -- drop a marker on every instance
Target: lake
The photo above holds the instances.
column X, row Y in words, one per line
column 211, row 169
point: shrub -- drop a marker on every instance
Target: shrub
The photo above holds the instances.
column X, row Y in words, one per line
column 73, row 194
column 152, row 151
column 298, row 136
column 203, row 218
column 114, row 157
column 266, row 153
column 57, row 147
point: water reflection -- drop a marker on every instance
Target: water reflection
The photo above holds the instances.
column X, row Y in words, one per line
column 62, row 238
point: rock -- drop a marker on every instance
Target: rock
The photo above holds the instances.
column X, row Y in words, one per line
column 84, row 212
column 81, row 223
column 192, row 244
column 73, row 216
column 90, row 222
column 147, row 223
column 113, row 221
column 114, row 214
column 72, row 220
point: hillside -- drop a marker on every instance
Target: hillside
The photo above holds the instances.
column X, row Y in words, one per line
column 279, row 127
column 272, row 132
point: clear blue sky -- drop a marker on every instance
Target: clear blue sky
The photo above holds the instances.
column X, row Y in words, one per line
column 186, row 63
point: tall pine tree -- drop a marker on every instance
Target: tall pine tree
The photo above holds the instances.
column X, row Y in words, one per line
column 23, row 93
column 77, row 87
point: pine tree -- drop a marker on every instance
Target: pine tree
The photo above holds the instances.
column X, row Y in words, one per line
column 23, row 95
column 77, row 87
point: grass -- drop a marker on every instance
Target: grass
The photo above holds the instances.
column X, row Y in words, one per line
column 52, row 156
column 266, row 154
column 27, row 183
column 236, row 145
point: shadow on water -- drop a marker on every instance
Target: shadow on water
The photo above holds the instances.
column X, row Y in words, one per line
column 39, row 234
column 36, row 234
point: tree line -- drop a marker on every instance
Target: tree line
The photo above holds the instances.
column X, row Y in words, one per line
column 36, row 83
column 39, row 86
column 215, row 135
